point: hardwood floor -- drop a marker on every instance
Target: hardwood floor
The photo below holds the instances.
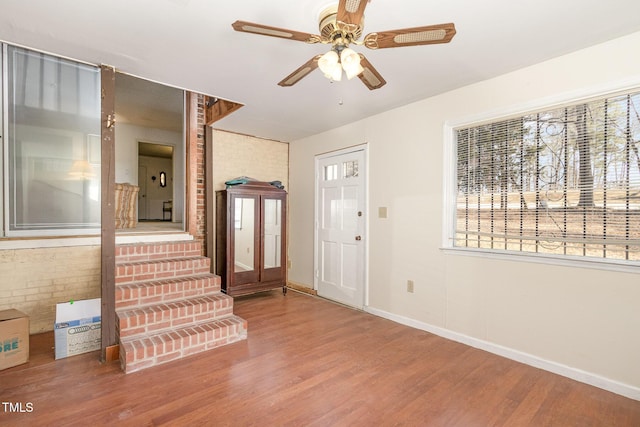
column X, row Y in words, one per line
column 308, row 362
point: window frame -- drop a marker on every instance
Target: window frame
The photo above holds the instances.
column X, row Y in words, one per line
column 4, row 146
column 6, row 232
column 450, row 183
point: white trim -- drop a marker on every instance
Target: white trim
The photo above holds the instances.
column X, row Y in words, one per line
column 152, row 238
column 620, row 266
column 364, row 147
column 576, row 374
column 43, row 233
column 367, row 223
column 6, row 244
column 449, row 186
column 4, row 143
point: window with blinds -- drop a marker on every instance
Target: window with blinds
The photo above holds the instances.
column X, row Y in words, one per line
column 564, row 181
column 51, row 143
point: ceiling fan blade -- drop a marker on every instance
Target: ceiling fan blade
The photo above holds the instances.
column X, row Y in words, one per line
column 431, row 34
column 265, row 30
column 301, row 72
column 370, row 76
column 351, row 11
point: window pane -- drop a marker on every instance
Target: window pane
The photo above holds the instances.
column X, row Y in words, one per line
column 54, row 142
column 563, row 181
column 350, row 169
column 330, row 172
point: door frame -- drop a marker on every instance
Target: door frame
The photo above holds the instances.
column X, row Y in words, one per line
column 365, row 179
column 142, row 192
column 177, row 169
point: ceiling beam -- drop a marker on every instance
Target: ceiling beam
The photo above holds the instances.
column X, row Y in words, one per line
column 217, row 108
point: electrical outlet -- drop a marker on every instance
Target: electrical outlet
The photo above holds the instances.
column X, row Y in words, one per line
column 410, row 286
column 288, row 263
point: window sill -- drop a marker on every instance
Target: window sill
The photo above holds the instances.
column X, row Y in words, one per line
column 53, row 242
column 566, row 261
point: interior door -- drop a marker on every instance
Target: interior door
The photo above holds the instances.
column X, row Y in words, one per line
column 142, row 193
column 340, row 226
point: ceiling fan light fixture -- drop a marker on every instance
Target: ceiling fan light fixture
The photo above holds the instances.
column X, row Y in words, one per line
column 350, row 63
column 329, row 64
column 336, row 73
column 340, row 25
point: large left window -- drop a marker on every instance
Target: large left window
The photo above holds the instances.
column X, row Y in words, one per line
column 51, row 145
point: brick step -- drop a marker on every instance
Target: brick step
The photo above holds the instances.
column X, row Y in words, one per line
column 169, row 305
column 144, row 352
column 155, row 318
column 132, row 272
column 153, row 251
column 164, row 291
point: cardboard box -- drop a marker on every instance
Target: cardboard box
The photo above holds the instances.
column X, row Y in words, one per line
column 14, row 338
column 77, row 328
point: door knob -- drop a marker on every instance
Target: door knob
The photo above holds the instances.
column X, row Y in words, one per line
column 358, row 238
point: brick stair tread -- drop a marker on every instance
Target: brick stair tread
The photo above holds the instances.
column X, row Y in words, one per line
column 165, row 290
column 131, row 252
column 163, row 260
column 140, row 271
column 155, row 318
column 150, row 350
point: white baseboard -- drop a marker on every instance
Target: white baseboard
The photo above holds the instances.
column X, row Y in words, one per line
column 519, row 356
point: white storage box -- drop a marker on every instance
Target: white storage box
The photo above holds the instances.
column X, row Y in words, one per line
column 77, row 328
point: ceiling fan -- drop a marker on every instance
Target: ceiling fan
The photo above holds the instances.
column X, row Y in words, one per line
column 340, row 26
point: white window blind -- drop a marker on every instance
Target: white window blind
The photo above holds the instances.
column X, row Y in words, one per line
column 564, row 181
column 52, row 145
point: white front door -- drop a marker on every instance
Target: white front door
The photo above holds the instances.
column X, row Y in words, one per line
column 340, row 261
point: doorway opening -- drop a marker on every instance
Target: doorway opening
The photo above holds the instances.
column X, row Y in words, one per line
column 156, row 186
column 150, row 152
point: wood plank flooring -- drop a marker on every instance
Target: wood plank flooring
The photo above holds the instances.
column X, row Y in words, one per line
column 308, row 362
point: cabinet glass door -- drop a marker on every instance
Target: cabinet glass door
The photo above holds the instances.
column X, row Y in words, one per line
column 273, row 239
column 272, row 233
column 244, row 231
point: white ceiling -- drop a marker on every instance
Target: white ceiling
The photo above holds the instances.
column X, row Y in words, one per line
column 190, row 44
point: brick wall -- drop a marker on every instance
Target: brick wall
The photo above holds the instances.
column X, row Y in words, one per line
column 201, row 202
column 237, row 155
column 35, row 280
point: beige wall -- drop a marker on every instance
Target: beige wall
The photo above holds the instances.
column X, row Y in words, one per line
column 583, row 318
column 35, row 280
column 236, row 155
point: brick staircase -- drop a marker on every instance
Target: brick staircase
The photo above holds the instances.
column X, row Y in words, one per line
column 169, row 305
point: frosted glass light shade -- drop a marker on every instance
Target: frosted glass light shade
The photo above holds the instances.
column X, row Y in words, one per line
column 329, row 64
column 351, row 63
